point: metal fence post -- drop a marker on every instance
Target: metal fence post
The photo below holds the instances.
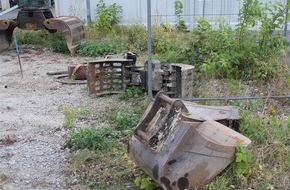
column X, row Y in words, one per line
column 286, row 18
column 89, row 12
column 149, row 33
column 203, row 9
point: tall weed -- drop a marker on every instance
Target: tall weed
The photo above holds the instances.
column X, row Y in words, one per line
column 107, row 16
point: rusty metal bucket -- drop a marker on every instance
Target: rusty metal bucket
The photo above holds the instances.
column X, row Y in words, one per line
column 71, row 27
column 6, row 31
column 179, row 150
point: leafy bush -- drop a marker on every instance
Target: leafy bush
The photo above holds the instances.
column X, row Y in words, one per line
column 92, row 138
column 107, row 16
column 131, row 92
column 168, row 45
column 124, row 121
column 178, row 10
column 101, row 48
column 36, row 38
column 58, row 44
column 137, row 37
column 145, row 183
column 239, row 53
column 69, row 117
column 242, row 161
column 43, row 38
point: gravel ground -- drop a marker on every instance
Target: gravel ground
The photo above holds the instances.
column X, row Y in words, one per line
column 32, row 152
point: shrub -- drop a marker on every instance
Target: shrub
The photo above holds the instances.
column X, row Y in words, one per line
column 131, row 92
column 107, row 16
column 101, row 48
column 240, row 53
column 178, row 10
column 92, row 138
column 43, row 38
column 168, row 45
column 137, row 37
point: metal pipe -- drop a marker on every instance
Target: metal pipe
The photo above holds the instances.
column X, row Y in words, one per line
column 235, row 98
column 18, row 56
column 89, row 20
column 149, row 33
column 203, row 9
column 286, row 18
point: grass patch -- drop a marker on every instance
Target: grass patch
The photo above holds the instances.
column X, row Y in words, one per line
column 92, row 138
column 100, row 152
column 105, row 170
column 42, row 38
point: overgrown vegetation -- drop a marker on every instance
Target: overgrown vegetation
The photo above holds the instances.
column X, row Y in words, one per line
column 250, row 51
column 244, row 59
column 178, row 11
column 101, row 48
column 102, row 148
column 102, row 160
column 247, row 52
column 41, row 38
column 107, row 16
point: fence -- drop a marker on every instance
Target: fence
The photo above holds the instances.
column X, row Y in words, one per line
column 162, row 10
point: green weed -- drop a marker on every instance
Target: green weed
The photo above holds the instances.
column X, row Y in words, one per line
column 240, row 53
column 105, row 170
column 178, row 11
column 58, row 43
column 92, row 138
column 101, row 48
column 107, row 16
column 145, row 183
column 69, row 117
column 221, row 182
column 242, row 161
column 124, row 122
column 43, row 38
column 137, row 37
column 131, row 92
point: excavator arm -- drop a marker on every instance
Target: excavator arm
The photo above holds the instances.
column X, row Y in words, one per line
column 37, row 15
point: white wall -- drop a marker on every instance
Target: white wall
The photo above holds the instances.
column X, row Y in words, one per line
column 162, row 10
column 4, row 4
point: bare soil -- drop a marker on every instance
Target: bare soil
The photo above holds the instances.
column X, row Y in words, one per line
column 32, row 152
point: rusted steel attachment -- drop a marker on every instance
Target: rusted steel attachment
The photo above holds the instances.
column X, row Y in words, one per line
column 77, row 72
column 6, row 30
column 36, row 15
column 174, row 79
column 107, row 75
column 71, row 27
column 180, row 145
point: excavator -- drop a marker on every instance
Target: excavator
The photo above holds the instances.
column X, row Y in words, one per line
column 37, row 15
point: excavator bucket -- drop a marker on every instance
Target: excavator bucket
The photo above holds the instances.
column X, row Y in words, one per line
column 37, row 15
column 181, row 144
column 71, row 27
column 6, row 31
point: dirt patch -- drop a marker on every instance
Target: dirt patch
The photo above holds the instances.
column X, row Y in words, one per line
column 8, row 140
column 31, row 119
